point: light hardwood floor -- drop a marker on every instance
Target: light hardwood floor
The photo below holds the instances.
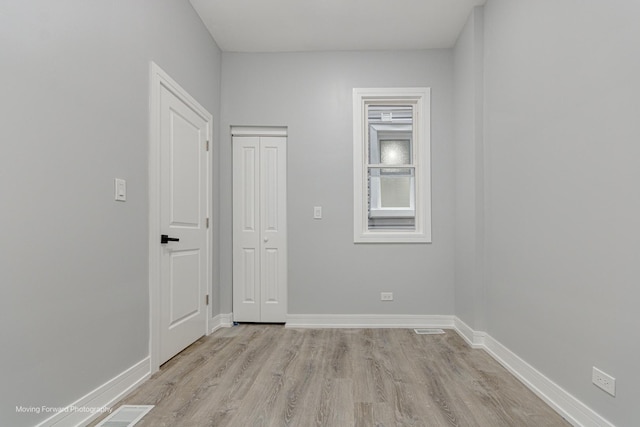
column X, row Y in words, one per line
column 266, row 375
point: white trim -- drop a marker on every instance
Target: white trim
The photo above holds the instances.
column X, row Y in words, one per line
column 368, row 321
column 159, row 78
column 104, row 396
column 572, row 409
column 475, row 339
column 220, row 321
column 259, row 131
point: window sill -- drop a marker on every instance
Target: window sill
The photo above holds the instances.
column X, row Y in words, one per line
column 391, row 237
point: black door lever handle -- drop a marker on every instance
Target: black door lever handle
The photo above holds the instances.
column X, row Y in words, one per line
column 166, row 239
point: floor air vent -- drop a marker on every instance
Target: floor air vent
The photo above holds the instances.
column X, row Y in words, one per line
column 126, row 416
column 428, row 331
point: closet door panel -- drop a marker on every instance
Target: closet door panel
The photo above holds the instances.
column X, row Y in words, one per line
column 246, row 229
column 273, row 188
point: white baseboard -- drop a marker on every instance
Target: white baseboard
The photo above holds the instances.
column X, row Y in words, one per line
column 474, row 338
column 368, row 321
column 572, row 409
column 89, row 407
column 220, row 321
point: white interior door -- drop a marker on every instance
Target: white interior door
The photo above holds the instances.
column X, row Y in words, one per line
column 259, row 229
column 183, row 211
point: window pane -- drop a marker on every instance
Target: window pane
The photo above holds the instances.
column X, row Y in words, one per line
column 391, row 198
column 395, row 191
column 390, row 131
column 395, row 152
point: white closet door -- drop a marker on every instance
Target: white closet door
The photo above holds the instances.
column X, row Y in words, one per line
column 246, row 229
column 273, row 222
column 259, row 229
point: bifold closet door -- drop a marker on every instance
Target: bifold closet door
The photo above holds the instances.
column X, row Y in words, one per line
column 259, row 229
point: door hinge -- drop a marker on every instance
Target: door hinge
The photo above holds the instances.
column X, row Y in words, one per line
column 207, row 222
column 207, row 145
column 206, row 300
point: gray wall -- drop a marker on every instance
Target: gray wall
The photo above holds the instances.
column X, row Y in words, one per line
column 311, row 93
column 562, row 134
column 75, row 114
column 468, row 89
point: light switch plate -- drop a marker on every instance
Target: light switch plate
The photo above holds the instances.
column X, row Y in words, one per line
column 317, row 212
column 120, row 190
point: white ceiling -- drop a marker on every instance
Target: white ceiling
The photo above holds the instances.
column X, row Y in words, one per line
column 319, row 25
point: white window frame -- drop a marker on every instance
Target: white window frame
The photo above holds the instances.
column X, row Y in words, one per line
column 420, row 99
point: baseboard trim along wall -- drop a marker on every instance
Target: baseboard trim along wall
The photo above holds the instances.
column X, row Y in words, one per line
column 572, row 409
column 93, row 404
column 220, row 321
column 368, row 321
column 475, row 339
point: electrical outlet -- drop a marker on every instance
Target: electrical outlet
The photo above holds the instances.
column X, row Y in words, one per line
column 604, row 381
column 386, row 296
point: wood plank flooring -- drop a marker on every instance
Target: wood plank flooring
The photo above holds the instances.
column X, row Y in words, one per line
column 266, row 375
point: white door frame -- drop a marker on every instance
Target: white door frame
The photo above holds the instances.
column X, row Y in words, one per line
column 159, row 79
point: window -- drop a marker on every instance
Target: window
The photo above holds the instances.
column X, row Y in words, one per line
column 391, row 163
